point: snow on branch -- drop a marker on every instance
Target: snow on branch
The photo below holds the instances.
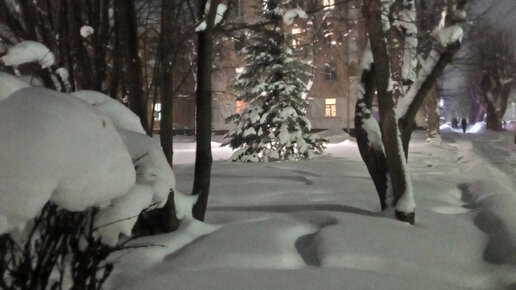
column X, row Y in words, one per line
column 445, row 36
column 86, row 31
column 448, row 35
column 426, row 68
column 290, row 15
column 28, row 51
column 221, row 9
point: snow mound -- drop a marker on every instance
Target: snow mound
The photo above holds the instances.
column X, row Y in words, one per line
column 122, row 117
column 334, row 135
column 28, row 51
column 262, row 244
column 57, row 148
column 10, row 84
column 152, row 168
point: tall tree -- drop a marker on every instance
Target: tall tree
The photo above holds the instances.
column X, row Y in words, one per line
column 166, row 85
column 203, row 157
column 274, row 126
column 126, row 31
column 382, row 146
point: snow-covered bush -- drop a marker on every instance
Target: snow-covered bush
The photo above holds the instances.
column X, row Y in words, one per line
column 274, row 126
column 76, row 172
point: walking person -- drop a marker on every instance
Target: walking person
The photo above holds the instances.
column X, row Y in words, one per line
column 464, row 124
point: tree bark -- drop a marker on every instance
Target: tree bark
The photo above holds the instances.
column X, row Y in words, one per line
column 432, row 115
column 127, row 34
column 166, row 55
column 83, row 74
column 203, row 158
column 166, row 58
column 373, row 155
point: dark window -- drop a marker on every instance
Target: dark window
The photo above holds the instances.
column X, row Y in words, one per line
column 239, row 42
column 330, row 71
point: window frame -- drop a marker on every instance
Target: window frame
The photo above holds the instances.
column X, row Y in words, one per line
column 330, row 108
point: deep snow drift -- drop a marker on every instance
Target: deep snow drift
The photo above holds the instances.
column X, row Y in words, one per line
column 316, row 224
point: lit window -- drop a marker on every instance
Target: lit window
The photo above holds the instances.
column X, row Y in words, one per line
column 330, row 107
column 157, row 111
column 295, row 35
column 330, row 71
column 240, row 106
column 329, row 4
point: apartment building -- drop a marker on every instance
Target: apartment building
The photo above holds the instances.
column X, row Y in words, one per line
column 332, row 38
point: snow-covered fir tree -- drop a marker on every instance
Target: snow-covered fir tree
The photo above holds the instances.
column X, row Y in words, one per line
column 274, row 124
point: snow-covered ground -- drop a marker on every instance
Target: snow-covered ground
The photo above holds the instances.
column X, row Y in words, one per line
column 316, row 224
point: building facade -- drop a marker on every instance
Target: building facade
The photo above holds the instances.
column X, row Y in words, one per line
column 332, row 38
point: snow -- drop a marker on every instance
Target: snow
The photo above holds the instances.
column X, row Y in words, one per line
column 152, row 168
column 122, row 214
column 65, row 77
column 426, row 68
column 291, row 14
column 449, row 35
column 120, row 115
column 316, row 224
column 374, row 134
column 10, row 84
column 48, row 141
column 28, row 51
column 221, row 9
column 59, row 148
column 86, row 31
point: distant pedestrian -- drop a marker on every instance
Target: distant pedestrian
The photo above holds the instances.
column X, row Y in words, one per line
column 464, row 124
column 454, row 122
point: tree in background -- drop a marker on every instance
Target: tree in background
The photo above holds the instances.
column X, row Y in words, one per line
column 495, row 69
column 274, row 125
column 210, row 15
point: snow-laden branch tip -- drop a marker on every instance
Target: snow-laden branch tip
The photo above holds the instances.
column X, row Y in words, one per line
column 28, row 51
column 448, row 35
column 86, row 31
column 221, row 9
column 290, row 15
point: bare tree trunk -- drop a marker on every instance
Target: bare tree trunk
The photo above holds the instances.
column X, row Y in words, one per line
column 372, row 153
column 84, row 74
column 166, row 58
column 166, row 54
column 203, row 158
column 99, row 19
column 432, row 115
column 126, row 30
